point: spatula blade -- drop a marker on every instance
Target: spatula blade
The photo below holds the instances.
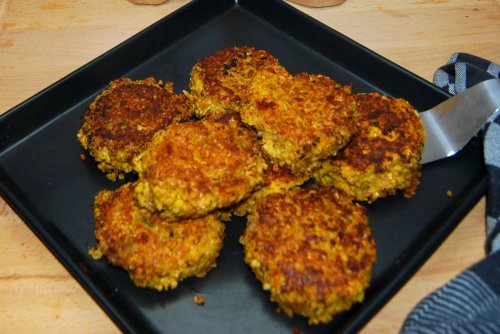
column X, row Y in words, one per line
column 453, row 123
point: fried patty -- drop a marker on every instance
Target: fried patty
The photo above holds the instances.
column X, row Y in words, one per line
column 193, row 168
column 220, row 81
column 384, row 155
column 123, row 118
column 312, row 249
column 301, row 120
column 157, row 253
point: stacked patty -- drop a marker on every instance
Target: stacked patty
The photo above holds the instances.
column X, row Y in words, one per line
column 301, row 120
column 246, row 140
column 193, row 168
column 157, row 252
column 384, row 155
column 167, row 226
column 220, row 81
column 124, row 117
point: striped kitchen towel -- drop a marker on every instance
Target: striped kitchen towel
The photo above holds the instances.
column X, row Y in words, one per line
column 470, row 302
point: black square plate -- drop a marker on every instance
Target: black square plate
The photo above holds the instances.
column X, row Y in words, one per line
column 43, row 178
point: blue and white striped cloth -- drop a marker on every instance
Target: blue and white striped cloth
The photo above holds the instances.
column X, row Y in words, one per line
column 470, row 302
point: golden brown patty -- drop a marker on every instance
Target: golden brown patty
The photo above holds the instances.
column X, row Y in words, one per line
column 219, row 82
column 124, row 117
column 301, row 120
column 157, row 253
column 383, row 156
column 193, row 168
column 312, row 249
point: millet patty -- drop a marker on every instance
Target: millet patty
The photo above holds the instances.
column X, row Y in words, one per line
column 220, row 81
column 193, row 168
column 124, row 117
column 312, row 250
column 301, row 120
column 156, row 252
column 383, row 156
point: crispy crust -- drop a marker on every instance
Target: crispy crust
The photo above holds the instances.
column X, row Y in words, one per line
column 384, row 155
column 301, row 120
column 260, row 134
column 276, row 180
column 219, row 82
column 193, row 168
column 312, row 249
column 123, row 118
column 157, row 253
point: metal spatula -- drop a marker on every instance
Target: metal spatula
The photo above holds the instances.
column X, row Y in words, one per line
column 451, row 124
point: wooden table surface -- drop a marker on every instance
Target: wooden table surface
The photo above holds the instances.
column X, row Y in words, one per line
column 43, row 40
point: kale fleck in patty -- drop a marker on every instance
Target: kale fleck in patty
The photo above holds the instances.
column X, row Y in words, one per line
column 301, row 120
column 156, row 252
column 383, row 156
column 311, row 249
column 193, row 168
column 220, row 81
column 123, row 118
